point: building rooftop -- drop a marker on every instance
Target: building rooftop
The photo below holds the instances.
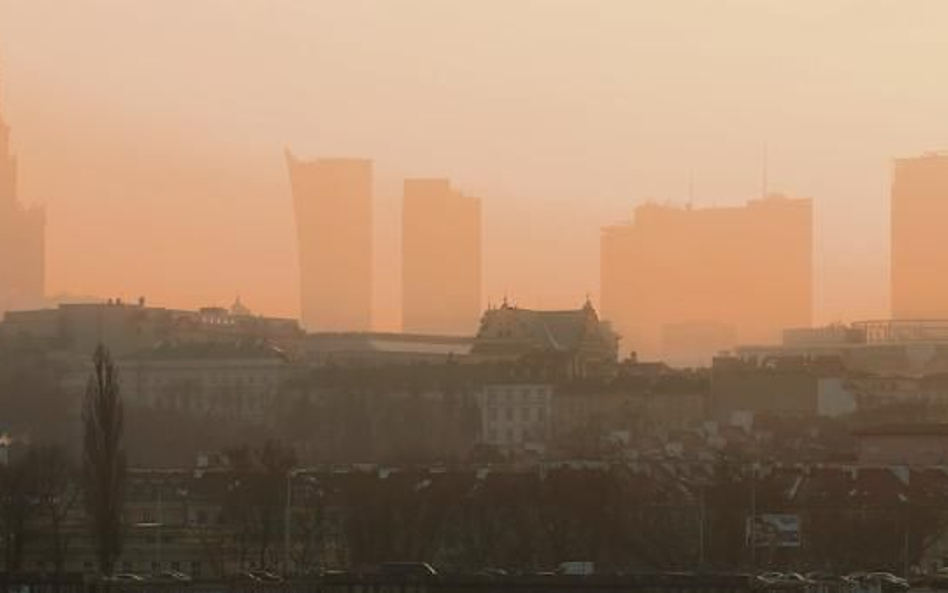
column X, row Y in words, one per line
column 913, row 429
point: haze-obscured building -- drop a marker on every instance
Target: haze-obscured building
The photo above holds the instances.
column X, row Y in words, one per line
column 441, row 259
column 375, row 349
column 516, row 416
column 919, row 243
column 22, row 238
column 332, row 201
column 883, row 346
column 693, row 344
column 235, row 381
column 749, row 267
column 775, row 387
column 125, row 328
column 903, row 444
column 576, row 342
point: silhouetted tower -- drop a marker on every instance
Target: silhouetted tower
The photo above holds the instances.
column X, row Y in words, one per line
column 919, row 242
column 22, row 237
column 441, row 259
column 7, row 164
column 333, row 204
column 742, row 271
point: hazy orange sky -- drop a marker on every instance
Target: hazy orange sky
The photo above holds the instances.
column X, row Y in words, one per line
column 153, row 129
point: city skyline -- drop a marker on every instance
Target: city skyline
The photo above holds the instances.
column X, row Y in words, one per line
column 473, row 295
column 235, row 175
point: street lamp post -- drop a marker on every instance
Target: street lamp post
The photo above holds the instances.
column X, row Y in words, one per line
column 286, row 522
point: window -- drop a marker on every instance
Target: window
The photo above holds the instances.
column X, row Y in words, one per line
column 492, row 414
column 195, row 568
column 525, row 414
column 541, row 414
column 510, row 414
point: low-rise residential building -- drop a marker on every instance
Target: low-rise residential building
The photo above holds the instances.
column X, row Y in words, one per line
column 234, row 381
column 917, row 444
column 781, row 386
column 516, row 416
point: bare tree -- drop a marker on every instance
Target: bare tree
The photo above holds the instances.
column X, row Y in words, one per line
column 15, row 512
column 56, row 491
column 104, row 459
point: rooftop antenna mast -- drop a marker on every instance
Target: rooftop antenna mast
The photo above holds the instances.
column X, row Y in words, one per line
column 691, row 188
column 764, row 181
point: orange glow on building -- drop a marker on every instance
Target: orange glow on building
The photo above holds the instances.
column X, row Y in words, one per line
column 333, row 205
column 441, row 259
column 919, row 244
column 748, row 267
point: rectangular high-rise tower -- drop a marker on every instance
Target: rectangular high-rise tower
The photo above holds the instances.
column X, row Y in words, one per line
column 919, row 241
column 333, row 204
column 747, row 270
column 22, row 238
column 441, row 259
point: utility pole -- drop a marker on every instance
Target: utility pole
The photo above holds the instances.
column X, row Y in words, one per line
column 753, row 521
column 158, row 530
column 701, row 520
column 905, row 543
column 286, row 523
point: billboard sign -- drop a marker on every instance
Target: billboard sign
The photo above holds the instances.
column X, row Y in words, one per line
column 774, row 530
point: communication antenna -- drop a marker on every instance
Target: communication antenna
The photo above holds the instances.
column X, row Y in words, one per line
column 764, row 181
column 691, row 188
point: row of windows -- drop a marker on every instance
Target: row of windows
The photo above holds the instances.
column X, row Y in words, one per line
column 156, row 380
column 538, row 393
column 234, row 402
column 510, row 414
column 509, row 436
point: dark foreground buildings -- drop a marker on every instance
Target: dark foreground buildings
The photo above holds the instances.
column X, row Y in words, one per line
column 22, row 238
column 332, row 200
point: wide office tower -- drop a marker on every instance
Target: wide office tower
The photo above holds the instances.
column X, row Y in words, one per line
column 919, row 222
column 333, row 205
column 22, row 238
column 441, row 259
column 744, row 271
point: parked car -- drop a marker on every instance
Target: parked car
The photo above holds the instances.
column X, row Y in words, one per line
column 769, row 578
column 171, row 576
column 124, row 577
column 407, row 569
column 259, row 576
column 576, row 568
column 822, row 576
column 888, row 581
column 794, row 578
